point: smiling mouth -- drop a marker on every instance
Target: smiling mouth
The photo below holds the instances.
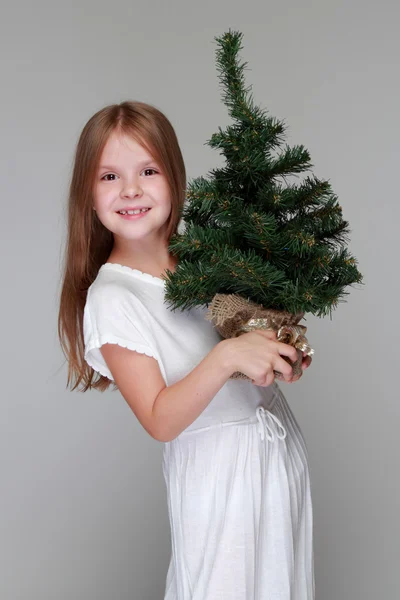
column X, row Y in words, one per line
column 133, row 212
column 133, row 216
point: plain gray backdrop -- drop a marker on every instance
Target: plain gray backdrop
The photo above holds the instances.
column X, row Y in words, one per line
column 83, row 506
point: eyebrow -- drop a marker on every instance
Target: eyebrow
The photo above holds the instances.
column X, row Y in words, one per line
column 143, row 163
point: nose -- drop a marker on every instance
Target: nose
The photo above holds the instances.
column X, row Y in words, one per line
column 268, row 425
column 131, row 189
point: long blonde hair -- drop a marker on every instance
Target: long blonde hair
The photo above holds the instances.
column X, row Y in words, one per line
column 89, row 243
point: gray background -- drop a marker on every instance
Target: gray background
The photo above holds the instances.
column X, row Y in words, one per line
column 83, row 508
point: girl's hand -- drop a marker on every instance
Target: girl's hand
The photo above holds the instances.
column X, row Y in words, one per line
column 258, row 354
column 306, row 362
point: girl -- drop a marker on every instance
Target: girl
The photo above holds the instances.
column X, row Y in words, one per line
column 234, row 459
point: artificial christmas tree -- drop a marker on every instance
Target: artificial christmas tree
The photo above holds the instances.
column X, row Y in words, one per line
column 258, row 250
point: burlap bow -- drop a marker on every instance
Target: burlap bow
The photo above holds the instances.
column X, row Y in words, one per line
column 233, row 315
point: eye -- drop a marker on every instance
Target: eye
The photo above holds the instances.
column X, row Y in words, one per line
column 113, row 174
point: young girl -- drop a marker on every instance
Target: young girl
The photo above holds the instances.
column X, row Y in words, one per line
column 234, row 459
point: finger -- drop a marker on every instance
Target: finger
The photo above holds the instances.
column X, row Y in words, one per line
column 269, row 333
column 266, row 381
column 284, row 367
column 288, row 351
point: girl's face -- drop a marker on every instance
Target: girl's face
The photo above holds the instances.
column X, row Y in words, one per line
column 129, row 178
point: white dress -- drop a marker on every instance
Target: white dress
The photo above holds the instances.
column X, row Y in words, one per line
column 237, row 479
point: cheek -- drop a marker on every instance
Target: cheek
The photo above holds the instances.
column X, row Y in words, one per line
column 165, row 193
column 102, row 198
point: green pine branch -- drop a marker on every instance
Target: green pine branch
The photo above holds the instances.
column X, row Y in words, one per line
column 248, row 230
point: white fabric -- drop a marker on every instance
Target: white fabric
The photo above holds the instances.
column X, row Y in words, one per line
column 237, row 479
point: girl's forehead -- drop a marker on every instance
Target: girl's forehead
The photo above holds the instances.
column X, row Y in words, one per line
column 121, row 147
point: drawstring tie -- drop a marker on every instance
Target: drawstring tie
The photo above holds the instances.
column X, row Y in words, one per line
column 263, row 427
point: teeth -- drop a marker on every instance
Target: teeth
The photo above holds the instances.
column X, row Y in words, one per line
column 133, row 212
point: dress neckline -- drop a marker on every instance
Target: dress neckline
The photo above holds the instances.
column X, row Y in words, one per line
column 109, row 266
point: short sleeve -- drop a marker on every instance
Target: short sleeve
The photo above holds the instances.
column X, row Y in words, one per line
column 114, row 315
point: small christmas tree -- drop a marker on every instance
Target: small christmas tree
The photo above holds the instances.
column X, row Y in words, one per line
column 250, row 234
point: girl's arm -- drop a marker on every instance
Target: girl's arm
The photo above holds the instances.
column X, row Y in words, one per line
column 165, row 411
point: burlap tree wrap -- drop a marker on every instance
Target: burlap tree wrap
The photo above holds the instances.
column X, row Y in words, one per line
column 232, row 315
